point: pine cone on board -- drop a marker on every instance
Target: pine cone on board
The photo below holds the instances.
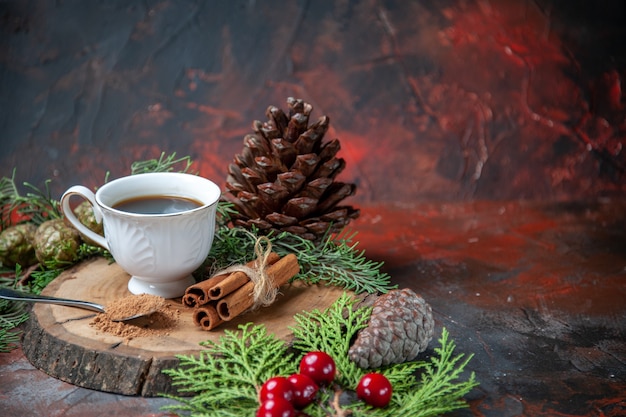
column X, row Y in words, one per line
column 400, row 327
column 283, row 180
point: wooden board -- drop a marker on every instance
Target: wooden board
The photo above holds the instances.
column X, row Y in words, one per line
column 59, row 340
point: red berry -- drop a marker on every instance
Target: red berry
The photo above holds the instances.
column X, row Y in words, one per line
column 304, row 390
column 276, row 387
column 319, row 366
column 374, row 389
column 278, row 407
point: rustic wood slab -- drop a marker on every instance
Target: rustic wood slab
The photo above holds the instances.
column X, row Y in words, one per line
column 60, row 341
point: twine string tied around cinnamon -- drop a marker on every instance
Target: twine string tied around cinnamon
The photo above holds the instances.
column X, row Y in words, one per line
column 265, row 289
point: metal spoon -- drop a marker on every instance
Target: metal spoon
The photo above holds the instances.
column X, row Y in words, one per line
column 14, row 295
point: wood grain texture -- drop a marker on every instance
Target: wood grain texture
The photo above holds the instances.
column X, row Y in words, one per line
column 60, row 341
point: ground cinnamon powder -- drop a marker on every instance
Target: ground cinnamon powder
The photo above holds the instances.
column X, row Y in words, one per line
column 161, row 321
column 133, row 305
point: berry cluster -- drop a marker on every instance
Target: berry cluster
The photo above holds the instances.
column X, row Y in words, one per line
column 283, row 396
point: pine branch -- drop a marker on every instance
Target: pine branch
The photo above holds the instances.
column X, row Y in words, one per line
column 163, row 164
column 335, row 262
column 9, row 340
column 225, row 378
column 332, row 331
column 36, row 205
column 12, row 314
column 41, row 277
column 441, row 389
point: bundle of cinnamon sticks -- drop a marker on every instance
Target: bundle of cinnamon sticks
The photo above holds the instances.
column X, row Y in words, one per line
column 224, row 297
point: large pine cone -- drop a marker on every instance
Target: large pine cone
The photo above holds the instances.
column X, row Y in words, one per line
column 400, row 327
column 284, row 178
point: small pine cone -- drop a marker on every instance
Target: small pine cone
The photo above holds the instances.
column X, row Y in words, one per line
column 16, row 245
column 84, row 213
column 400, row 327
column 55, row 241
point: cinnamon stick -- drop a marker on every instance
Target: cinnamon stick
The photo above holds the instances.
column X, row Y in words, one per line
column 241, row 300
column 235, row 280
column 206, row 317
column 198, row 294
column 219, row 285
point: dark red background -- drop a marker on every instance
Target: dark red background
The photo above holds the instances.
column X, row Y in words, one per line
column 432, row 100
column 486, row 139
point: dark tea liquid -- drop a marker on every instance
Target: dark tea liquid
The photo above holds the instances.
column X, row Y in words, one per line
column 157, row 204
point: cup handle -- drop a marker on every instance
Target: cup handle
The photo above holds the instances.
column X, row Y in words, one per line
column 88, row 195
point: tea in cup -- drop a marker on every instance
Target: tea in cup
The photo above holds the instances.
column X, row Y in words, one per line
column 159, row 227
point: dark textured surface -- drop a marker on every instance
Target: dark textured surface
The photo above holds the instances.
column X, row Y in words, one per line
column 467, row 102
column 457, row 100
column 536, row 292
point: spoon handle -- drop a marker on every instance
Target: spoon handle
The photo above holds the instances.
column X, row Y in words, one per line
column 14, row 295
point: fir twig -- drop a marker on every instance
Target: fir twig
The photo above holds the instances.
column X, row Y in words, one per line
column 225, row 378
column 12, row 314
column 40, row 278
column 225, row 211
column 441, row 389
column 438, row 391
column 335, row 262
column 9, row 339
column 331, row 331
column 163, row 164
column 36, row 205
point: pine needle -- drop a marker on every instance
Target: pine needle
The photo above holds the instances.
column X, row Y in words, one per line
column 12, row 314
column 440, row 389
column 224, row 379
column 334, row 262
column 331, row 331
column 36, row 205
column 226, row 376
column 163, row 164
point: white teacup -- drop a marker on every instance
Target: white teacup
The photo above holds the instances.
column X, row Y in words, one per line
column 160, row 250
